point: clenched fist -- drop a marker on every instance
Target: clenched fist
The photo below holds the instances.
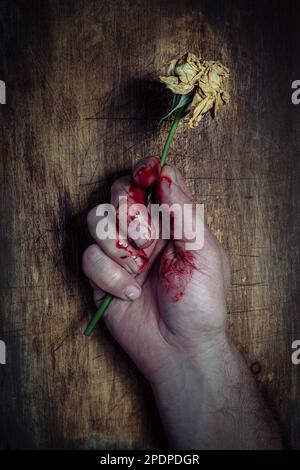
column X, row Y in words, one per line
column 168, row 299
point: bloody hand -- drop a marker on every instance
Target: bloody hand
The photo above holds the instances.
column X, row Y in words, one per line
column 168, row 299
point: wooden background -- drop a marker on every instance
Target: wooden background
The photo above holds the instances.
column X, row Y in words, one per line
column 83, row 103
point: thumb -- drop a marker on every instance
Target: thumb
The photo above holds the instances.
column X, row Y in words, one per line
column 180, row 210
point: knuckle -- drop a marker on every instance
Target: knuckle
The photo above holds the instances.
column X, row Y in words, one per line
column 89, row 257
column 115, row 187
column 120, row 185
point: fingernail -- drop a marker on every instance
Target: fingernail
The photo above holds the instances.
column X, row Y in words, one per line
column 139, row 232
column 163, row 187
column 132, row 292
column 146, row 174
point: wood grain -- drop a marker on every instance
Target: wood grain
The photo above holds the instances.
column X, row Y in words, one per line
column 83, row 103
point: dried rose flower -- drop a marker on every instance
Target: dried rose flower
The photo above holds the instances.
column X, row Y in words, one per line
column 205, row 78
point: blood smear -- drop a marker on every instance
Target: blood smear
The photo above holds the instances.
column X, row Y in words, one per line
column 164, row 184
column 148, row 174
column 176, row 273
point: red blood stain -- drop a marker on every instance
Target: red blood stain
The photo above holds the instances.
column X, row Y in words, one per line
column 134, row 216
column 163, row 185
column 147, row 175
column 138, row 255
column 176, row 273
column 137, row 195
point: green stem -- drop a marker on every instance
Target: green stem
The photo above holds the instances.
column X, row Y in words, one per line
column 101, row 310
column 109, row 297
column 179, row 116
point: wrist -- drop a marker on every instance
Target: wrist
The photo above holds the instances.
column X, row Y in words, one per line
column 182, row 391
column 189, row 361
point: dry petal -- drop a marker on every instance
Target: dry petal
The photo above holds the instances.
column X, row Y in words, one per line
column 225, row 97
column 176, row 86
column 171, row 67
column 185, row 72
column 202, row 108
column 205, row 77
column 214, row 79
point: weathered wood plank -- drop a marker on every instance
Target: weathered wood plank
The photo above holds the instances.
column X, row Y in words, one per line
column 83, row 103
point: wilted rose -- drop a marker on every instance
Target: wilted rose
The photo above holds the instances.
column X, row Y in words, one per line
column 205, row 77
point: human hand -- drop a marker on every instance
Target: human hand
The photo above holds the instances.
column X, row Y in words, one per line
column 169, row 316
column 169, row 302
